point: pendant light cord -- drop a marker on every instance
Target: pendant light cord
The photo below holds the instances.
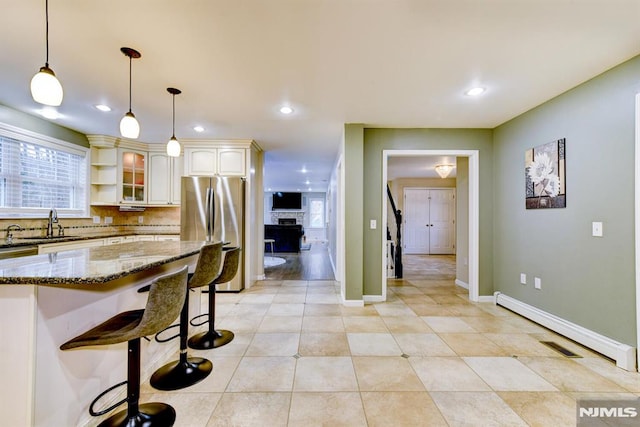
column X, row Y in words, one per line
column 46, row 14
column 174, row 116
column 130, row 60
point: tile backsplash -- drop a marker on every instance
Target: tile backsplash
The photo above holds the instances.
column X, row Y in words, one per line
column 154, row 220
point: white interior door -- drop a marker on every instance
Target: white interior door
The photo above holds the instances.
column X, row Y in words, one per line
column 416, row 221
column 441, row 221
column 429, row 221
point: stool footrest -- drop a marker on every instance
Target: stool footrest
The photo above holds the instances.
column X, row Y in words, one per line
column 110, row 408
column 205, row 315
column 158, row 339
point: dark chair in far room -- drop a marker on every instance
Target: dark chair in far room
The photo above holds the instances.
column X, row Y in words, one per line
column 187, row 371
column 213, row 338
column 166, row 298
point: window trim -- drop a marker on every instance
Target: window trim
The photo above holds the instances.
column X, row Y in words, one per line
column 47, row 141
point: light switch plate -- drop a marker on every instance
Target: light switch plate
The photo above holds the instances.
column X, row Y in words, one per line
column 373, row 224
column 523, row 278
column 596, row 229
column 537, row 283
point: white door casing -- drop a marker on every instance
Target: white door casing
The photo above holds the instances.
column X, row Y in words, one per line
column 473, row 219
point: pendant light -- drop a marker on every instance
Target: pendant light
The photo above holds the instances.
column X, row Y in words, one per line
column 444, row 170
column 173, row 146
column 45, row 87
column 129, row 126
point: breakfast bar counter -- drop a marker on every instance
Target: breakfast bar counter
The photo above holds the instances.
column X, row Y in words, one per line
column 47, row 299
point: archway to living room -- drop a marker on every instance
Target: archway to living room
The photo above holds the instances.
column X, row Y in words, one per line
column 468, row 252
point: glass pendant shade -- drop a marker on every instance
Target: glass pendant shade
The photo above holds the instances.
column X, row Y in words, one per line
column 129, row 126
column 45, row 88
column 173, row 147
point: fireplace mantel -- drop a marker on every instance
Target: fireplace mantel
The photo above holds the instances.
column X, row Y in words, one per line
column 297, row 215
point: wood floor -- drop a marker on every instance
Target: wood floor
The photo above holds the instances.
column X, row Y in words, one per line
column 313, row 264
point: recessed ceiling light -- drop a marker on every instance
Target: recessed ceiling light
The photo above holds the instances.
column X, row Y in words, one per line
column 103, row 107
column 49, row 113
column 309, row 188
column 475, row 91
column 307, row 182
column 198, row 128
column 303, row 170
column 286, row 109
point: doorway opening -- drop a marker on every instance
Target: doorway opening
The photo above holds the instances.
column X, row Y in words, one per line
column 470, row 230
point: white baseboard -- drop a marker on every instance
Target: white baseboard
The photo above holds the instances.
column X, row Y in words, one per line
column 373, row 298
column 486, row 298
column 353, row 303
column 462, row 284
column 624, row 355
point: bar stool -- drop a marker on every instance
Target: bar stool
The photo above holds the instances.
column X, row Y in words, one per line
column 270, row 242
column 187, row 371
column 166, row 298
column 213, row 338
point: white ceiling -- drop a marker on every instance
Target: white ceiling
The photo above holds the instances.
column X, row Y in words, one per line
column 384, row 63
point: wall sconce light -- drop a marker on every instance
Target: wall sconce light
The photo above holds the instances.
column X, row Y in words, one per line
column 173, row 146
column 444, row 170
column 45, row 87
column 129, row 126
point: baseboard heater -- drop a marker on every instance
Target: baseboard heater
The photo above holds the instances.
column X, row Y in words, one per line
column 624, row 355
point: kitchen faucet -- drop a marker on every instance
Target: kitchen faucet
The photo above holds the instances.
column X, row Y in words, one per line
column 53, row 218
column 9, row 235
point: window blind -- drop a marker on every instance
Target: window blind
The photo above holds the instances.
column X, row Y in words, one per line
column 36, row 176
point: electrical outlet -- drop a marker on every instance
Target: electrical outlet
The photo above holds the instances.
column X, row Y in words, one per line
column 140, row 219
column 537, row 283
column 108, row 219
column 523, row 278
column 596, row 229
column 96, row 219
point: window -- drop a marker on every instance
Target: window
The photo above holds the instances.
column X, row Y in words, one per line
column 37, row 174
column 316, row 213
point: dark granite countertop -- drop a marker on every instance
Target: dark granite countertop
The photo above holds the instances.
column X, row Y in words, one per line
column 93, row 265
column 34, row 241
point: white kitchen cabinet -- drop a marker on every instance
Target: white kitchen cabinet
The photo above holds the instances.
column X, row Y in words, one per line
column 69, row 246
column 167, row 238
column 119, row 239
column 164, row 179
column 231, row 161
column 201, row 161
column 145, row 238
column 132, row 174
column 208, row 161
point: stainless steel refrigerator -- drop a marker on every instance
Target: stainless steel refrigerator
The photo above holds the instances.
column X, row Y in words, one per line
column 212, row 209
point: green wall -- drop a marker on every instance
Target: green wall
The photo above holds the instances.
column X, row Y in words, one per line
column 368, row 255
column 586, row 280
column 35, row 124
column 353, row 202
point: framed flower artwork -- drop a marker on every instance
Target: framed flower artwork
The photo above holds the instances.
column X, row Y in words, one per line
column 544, row 170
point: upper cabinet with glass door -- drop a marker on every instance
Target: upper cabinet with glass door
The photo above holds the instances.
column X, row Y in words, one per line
column 133, row 186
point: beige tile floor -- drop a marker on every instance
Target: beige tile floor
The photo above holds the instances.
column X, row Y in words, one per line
column 426, row 357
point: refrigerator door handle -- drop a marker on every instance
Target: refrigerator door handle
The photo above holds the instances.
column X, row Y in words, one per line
column 208, row 213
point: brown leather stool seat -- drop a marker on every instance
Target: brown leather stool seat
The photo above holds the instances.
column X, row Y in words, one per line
column 187, row 371
column 166, row 298
column 213, row 338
